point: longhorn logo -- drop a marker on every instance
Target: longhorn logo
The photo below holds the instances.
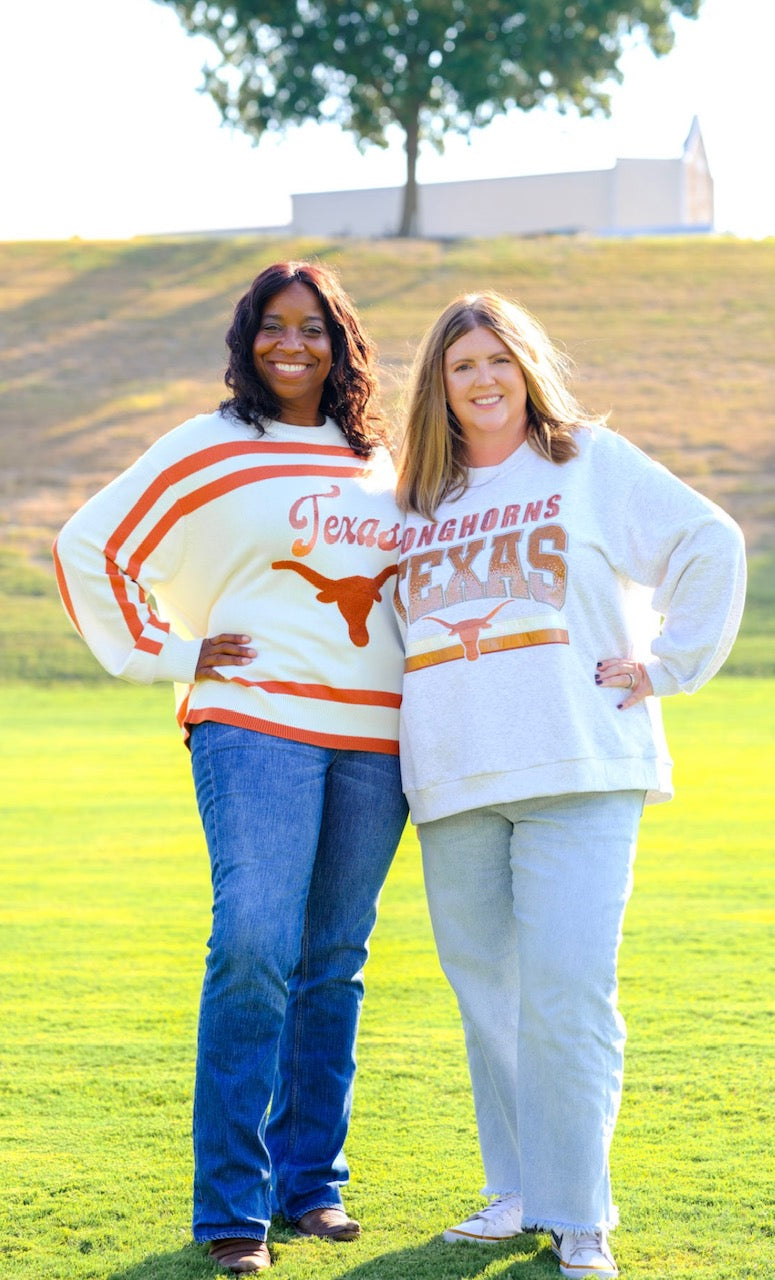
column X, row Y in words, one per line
column 469, row 630
column 353, row 596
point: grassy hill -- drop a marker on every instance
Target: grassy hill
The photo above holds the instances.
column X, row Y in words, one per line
column 106, row 345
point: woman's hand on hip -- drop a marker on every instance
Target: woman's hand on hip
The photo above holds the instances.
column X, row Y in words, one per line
column 222, row 651
column 621, row 673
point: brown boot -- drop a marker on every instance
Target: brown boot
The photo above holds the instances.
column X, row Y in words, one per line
column 241, row 1254
column 329, row 1224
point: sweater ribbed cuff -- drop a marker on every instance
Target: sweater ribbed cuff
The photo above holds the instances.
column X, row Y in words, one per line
column 662, row 682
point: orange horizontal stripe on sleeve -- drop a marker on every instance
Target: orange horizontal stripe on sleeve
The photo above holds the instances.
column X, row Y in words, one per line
column 128, row 610
column 149, row 646
column 135, row 515
column 132, row 618
column 216, row 489
column 215, row 453
column 64, row 590
column 297, row 689
column 221, row 452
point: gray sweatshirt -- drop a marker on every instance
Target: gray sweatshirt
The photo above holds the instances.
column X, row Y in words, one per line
column 515, row 592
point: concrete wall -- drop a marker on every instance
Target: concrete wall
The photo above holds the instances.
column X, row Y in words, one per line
column 374, row 212
column 636, row 195
column 648, row 193
column 552, row 202
column 488, row 207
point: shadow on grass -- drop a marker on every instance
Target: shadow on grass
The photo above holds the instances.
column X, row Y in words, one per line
column 528, row 1256
column 433, row 1260
column 188, row 1263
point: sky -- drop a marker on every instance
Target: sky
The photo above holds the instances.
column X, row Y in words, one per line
column 103, row 133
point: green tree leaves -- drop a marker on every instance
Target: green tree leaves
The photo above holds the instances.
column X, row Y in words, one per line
column 428, row 66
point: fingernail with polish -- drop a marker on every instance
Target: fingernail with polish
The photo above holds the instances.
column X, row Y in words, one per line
column 597, row 680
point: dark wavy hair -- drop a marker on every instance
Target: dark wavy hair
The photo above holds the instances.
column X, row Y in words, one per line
column 351, row 383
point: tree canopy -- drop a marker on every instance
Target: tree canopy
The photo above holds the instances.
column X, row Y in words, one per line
column 427, row 66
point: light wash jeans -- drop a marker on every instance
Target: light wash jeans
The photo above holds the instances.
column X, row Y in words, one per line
column 300, row 841
column 527, row 902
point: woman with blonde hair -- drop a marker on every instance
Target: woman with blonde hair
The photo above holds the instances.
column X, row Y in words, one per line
column 554, row 583
column 434, row 463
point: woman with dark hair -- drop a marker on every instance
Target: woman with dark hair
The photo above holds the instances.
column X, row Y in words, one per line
column 248, row 556
column 350, row 383
column 554, row 584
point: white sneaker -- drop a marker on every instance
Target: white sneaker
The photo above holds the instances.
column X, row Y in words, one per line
column 584, row 1253
column 499, row 1220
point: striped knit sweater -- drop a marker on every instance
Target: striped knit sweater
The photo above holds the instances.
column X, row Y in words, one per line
column 289, row 538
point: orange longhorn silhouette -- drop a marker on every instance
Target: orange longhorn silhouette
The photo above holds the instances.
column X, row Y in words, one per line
column 469, row 630
column 353, row 596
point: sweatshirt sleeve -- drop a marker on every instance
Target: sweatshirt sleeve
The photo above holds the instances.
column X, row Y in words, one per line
column 693, row 556
column 111, row 555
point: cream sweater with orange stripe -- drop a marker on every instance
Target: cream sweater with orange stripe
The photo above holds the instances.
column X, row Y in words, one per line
column 289, row 538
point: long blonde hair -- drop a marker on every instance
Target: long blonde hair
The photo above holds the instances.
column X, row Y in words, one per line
column 432, row 461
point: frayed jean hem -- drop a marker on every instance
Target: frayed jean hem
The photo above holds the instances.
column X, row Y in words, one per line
column 497, row 1193
column 235, row 1233
column 556, row 1224
column 337, row 1204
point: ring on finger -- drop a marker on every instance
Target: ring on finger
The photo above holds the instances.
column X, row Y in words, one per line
column 631, row 679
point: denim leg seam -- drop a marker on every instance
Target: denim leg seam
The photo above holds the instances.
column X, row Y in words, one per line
column 211, row 776
column 303, row 973
column 293, row 1129
column 490, row 1191
column 215, row 822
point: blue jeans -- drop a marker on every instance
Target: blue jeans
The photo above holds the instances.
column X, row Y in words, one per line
column 527, row 902
column 300, row 840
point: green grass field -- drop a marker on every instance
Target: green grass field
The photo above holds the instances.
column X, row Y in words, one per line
column 105, row 915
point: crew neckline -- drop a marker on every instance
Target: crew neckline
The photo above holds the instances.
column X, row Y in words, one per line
column 274, row 425
column 478, row 476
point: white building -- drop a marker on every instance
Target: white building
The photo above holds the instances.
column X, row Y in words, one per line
column 635, row 196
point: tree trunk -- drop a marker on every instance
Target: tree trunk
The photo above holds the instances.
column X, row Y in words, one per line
column 410, row 219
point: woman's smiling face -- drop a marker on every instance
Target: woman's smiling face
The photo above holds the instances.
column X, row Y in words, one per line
column 292, row 353
column 486, row 390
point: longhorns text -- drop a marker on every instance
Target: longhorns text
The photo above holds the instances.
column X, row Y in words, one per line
column 512, row 562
